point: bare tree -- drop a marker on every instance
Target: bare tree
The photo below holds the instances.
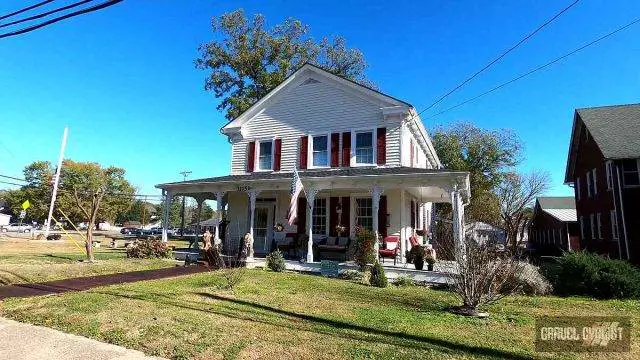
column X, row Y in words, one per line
column 517, row 193
column 481, row 276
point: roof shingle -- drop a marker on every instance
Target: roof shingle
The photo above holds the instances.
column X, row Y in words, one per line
column 615, row 129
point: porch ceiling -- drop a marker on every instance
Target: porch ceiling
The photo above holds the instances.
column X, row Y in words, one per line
column 427, row 184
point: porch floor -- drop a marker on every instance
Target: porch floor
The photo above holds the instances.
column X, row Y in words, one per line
column 438, row 276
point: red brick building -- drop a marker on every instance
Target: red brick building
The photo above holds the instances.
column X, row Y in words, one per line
column 603, row 167
column 554, row 227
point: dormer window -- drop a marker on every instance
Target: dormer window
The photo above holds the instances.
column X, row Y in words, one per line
column 265, row 155
column 364, row 153
column 320, row 151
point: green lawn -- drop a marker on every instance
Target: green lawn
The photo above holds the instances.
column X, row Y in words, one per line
column 287, row 315
column 27, row 261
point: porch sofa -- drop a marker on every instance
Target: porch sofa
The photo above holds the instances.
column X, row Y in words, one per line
column 332, row 248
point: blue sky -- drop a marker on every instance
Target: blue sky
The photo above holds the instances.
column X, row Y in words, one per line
column 123, row 79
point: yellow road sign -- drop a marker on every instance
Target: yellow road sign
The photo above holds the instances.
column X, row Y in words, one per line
column 26, row 205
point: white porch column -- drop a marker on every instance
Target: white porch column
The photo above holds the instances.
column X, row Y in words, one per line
column 311, row 196
column 403, row 236
column 376, row 192
column 253, row 194
column 165, row 215
column 458, row 223
column 219, row 196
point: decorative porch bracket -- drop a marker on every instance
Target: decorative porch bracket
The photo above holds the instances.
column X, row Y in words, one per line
column 253, row 194
column 376, row 193
column 165, row 214
column 311, row 197
column 458, row 224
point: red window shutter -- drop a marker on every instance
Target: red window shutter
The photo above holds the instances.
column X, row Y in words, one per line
column 382, row 216
column 277, row 154
column 335, row 149
column 304, row 151
column 333, row 215
column 382, row 146
column 346, row 149
column 411, row 152
column 302, row 215
column 251, row 153
column 346, row 214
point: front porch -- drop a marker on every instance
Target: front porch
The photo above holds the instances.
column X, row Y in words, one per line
column 392, row 202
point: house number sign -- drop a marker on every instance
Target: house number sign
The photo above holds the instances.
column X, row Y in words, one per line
column 243, row 187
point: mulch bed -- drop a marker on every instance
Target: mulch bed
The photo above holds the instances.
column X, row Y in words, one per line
column 89, row 282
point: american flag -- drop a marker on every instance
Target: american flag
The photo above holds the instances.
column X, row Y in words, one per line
column 296, row 189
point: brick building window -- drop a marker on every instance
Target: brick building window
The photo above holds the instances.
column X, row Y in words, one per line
column 614, row 225
column 631, row 172
column 589, row 184
column 609, row 169
column 594, row 182
column 582, row 227
column 599, row 225
column 592, row 224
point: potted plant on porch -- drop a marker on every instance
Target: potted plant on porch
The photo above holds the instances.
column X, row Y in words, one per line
column 417, row 256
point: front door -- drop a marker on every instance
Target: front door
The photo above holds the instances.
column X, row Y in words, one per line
column 262, row 229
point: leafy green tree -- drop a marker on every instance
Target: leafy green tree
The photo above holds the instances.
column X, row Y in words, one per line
column 207, row 213
column 91, row 192
column 488, row 155
column 37, row 190
column 247, row 59
column 174, row 211
column 140, row 210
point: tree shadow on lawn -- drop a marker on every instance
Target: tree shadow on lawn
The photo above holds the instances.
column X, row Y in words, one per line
column 337, row 328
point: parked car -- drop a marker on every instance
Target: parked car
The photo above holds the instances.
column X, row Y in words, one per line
column 16, row 227
column 153, row 231
column 131, row 231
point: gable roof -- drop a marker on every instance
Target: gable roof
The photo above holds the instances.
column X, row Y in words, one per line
column 562, row 208
column 303, row 74
column 614, row 128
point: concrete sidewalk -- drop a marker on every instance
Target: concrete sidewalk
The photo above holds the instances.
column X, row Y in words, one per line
column 28, row 342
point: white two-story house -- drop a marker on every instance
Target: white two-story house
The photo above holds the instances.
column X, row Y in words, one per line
column 364, row 158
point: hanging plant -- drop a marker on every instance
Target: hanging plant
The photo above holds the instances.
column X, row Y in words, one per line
column 340, row 229
column 278, row 228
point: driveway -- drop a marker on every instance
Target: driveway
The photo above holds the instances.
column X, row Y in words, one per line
column 23, row 341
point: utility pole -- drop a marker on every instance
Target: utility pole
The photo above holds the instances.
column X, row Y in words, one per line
column 184, row 178
column 56, row 180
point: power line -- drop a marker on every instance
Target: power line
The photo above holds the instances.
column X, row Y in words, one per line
column 13, row 178
column 26, row 9
column 501, row 56
column 41, row 15
column 60, row 18
column 539, row 67
column 10, row 183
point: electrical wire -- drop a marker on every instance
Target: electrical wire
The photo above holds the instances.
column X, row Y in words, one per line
column 41, row 15
column 537, row 68
column 501, row 56
column 25, row 9
column 60, row 18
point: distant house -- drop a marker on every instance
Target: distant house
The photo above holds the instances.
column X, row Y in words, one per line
column 554, row 227
column 603, row 166
column 484, row 233
column 5, row 219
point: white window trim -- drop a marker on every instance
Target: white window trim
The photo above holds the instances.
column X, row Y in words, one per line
column 374, row 146
column 599, row 225
column 256, row 161
column 609, row 174
column 578, row 188
column 614, row 224
column 328, row 215
column 595, row 182
column 310, row 151
column 589, row 184
column 592, row 225
column 623, row 172
column 582, row 227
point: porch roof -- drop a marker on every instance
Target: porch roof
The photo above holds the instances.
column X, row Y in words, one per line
column 343, row 178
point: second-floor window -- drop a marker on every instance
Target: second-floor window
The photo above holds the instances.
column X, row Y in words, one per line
column 265, row 155
column 364, row 147
column 631, row 172
column 320, row 151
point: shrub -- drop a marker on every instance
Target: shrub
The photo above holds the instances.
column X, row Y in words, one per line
column 588, row 274
column 404, row 281
column 275, row 261
column 529, row 281
column 378, row 277
column 145, row 249
column 364, row 244
column 353, row 275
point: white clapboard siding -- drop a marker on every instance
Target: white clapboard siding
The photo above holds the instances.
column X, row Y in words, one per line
column 313, row 108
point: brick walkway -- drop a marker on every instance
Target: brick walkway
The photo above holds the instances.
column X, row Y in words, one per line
column 90, row 282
